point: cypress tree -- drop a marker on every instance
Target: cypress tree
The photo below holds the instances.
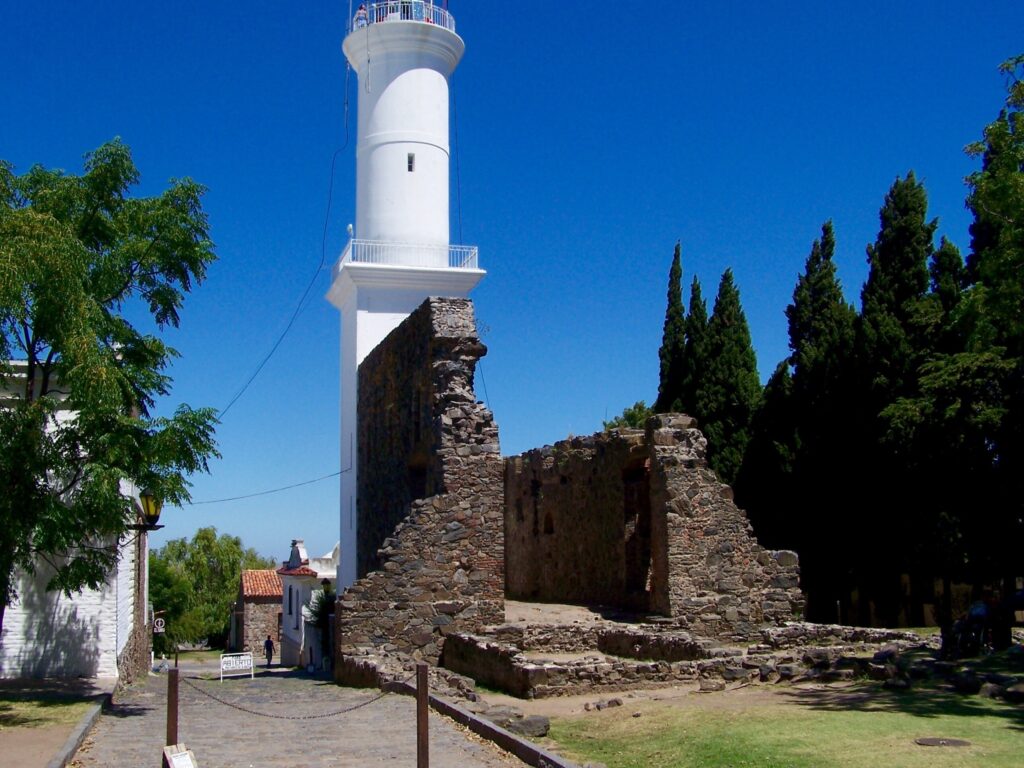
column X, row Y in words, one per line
column 729, row 389
column 764, row 485
column 948, row 276
column 821, row 337
column 897, row 281
column 890, row 345
column 673, row 341
column 821, row 334
column 696, row 348
column 945, row 327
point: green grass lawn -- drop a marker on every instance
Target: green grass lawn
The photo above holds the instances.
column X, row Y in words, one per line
column 39, row 710
column 863, row 726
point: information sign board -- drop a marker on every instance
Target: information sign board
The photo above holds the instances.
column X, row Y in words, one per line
column 236, row 664
column 179, row 756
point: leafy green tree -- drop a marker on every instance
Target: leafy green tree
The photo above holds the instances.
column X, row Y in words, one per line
column 78, row 257
column 632, row 417
column 199, row 582
column 729, row 388
column 997, row 199
column 673, row 342
column 321, row 609
column 170, row 591
column 996, row 263
column 945, row 430
column 695, row 352
column 966, row 415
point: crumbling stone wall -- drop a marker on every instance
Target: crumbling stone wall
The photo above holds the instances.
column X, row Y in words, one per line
column 572, row 525
column 430, row 493
column 721, row 582
column 637, row 520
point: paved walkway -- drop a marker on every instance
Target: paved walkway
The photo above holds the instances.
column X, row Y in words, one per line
column 381, row 733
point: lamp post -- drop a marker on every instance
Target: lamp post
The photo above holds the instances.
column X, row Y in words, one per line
column 151, row 506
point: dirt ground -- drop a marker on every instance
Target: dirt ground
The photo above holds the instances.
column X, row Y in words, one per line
column 555, row 614
column 33, row 747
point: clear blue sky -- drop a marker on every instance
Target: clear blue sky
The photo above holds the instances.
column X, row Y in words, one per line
column 590, row 138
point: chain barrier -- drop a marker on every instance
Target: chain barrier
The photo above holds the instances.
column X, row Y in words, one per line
column 319, row 716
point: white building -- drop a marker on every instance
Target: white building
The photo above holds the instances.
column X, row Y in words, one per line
column 302, row 578
column 90, row 634
column 49, row 635
column 400, row 253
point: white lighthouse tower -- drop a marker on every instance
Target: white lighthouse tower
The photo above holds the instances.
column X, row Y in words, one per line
column 403, row 51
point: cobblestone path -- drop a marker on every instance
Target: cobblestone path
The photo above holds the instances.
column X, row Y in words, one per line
column 383, row 732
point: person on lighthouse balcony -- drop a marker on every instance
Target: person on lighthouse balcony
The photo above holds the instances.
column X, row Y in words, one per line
column 362, row 18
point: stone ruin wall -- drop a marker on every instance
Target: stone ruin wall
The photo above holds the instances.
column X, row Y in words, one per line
column 721, row 582
column 431, row 543
column 577, row 527
column 638, row 521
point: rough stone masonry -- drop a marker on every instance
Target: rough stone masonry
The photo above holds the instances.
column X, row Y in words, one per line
column 633, row 519
column 431, row 540
column 637, row 520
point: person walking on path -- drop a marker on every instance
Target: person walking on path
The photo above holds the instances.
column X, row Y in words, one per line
column 268, row 648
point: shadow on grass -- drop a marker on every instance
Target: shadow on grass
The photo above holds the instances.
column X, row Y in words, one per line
column 28, row 709
column 11, row 717
column 932, row 700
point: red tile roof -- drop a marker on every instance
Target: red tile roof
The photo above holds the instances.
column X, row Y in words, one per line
column 261, row 584
column 302, row 570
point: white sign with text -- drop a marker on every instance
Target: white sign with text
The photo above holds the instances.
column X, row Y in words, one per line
column 236, row 664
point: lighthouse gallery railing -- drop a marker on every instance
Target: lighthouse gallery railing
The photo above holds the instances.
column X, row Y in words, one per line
column 410, row 254
column 405, row 10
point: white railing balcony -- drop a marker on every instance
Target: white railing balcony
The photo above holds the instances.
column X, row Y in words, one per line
column 410, row 255
column 422, row 11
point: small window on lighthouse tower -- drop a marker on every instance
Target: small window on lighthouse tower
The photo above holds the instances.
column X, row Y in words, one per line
column 411, row 159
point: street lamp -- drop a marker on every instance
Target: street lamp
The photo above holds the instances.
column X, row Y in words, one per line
column 151, row 505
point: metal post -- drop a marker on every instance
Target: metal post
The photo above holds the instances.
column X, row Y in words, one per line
column 422, row 734
column 172, row 707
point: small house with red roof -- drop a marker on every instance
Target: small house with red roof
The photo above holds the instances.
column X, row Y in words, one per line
column 302, row 578
column 257, row 612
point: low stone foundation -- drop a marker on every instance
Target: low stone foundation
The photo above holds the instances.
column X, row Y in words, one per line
column 629, row 657
column 796, row 634
column 504, row 666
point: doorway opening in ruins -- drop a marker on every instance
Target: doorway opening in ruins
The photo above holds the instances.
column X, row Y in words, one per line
column 636, row 507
